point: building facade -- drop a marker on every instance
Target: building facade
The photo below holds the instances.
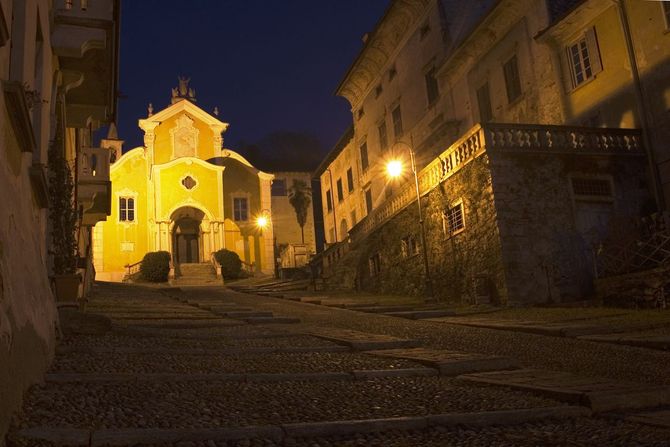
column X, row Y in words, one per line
column 58, row 70
column 294, row 244
column 184, row 193
column 556, row 92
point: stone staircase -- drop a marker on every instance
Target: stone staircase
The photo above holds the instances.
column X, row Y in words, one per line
column 197, row 274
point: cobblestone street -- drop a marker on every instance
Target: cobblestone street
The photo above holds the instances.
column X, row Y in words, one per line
column 211, row 366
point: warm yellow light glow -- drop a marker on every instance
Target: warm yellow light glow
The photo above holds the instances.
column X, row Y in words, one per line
column 394, row 168
column 262, row 221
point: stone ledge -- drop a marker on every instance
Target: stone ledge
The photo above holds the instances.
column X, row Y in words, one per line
column 111, row 437
column 342, row 428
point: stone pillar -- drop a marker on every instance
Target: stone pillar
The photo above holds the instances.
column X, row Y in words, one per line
column 207, row 247
column 267, row 249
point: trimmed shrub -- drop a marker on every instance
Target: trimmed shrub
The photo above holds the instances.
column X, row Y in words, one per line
column 231, row 265
column 155, row 266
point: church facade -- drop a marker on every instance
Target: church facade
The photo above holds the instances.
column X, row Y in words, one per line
column 184, row 193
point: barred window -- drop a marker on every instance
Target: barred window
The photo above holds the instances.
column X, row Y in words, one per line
column 126, row 209
column 591, row 187
column 408, row 246
column 452, row 220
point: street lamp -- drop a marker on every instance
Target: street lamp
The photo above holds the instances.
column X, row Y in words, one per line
column 263, row 221
column 394, row 168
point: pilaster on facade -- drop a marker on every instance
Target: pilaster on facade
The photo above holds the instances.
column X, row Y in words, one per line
column 267, row 267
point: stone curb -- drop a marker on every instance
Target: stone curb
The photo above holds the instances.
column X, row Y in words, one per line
column 389, row 373
column 111, row 437
column 224, row 351
column 278, row 433
column 235, row 377
column 508, row 417
column 342, row 428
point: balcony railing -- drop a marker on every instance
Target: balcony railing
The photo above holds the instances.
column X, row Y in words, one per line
column 94, row 164
column 529, row 138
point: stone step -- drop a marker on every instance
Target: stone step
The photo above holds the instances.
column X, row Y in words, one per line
column 421, row 314
column 600, row 395
column 283, row 434
column 361, row 341
column 272, row 320
column 250, row 314
column 451, row 363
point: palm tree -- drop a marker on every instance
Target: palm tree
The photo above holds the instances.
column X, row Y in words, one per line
column 300, row 197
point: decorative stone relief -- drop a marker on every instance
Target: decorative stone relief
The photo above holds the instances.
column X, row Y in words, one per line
column 184, row 138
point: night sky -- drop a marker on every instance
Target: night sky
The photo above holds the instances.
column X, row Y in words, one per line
column 269, row 65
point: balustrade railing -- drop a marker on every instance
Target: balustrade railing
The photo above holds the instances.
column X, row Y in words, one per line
column 503, row 137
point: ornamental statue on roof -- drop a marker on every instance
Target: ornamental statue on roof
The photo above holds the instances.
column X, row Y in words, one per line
column 183, row 91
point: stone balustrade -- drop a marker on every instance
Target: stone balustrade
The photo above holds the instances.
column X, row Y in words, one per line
column 495, row 137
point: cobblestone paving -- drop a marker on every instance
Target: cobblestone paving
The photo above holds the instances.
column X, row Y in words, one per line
column 141, row 347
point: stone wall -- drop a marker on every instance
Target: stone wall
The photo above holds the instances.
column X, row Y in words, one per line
column 547, row 258
column 455, row 260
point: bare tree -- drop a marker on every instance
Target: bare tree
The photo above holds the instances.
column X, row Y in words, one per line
column 300, row 197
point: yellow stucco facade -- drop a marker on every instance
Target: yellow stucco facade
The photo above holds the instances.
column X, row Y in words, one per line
column 182, row 192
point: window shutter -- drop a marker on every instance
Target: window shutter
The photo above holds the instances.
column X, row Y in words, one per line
column 594, row 53
column 566, row 63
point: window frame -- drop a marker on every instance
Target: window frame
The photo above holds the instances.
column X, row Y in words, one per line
column 124, row 208
column 273, row 187
column 235, row 210
column 363, row 153
column 368, row 200
column 409, row 246
column 447, row 221
column 586, row 41
column 512, row 79
column 397, row 121
column 485, row 87
column 383, row 136
column 432, row 86
column 665, row 9
column 340, row 190
column 350, row 179
column 329, row 201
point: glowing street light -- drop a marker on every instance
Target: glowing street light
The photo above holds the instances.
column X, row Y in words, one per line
column 394, row 169
column 262, row 222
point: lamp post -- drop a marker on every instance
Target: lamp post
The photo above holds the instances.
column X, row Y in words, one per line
column 264, row 220
column 394, row 169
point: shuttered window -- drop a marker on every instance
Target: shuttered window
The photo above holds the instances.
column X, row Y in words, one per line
column 583, row 58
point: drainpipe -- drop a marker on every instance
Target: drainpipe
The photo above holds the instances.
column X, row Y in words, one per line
column 641, row 105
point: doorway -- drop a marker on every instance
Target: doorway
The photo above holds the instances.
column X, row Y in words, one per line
column 186, row 244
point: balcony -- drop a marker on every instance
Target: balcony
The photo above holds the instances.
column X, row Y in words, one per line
column 94, row 189
column 85, row 39
column 494, row 137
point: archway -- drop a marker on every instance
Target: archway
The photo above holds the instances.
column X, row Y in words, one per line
column 186, row 240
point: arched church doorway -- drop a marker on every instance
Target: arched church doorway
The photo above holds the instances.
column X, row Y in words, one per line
column 186, row 235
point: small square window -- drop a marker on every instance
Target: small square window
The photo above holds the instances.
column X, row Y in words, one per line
column 361, row 113
column 392, row 72
column 278, row 187
column 452, row 220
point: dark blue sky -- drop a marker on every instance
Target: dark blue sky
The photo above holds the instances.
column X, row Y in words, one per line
column 268, row 65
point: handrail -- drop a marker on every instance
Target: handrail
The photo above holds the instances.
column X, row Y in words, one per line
column 215, row 264
column 132, row 268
